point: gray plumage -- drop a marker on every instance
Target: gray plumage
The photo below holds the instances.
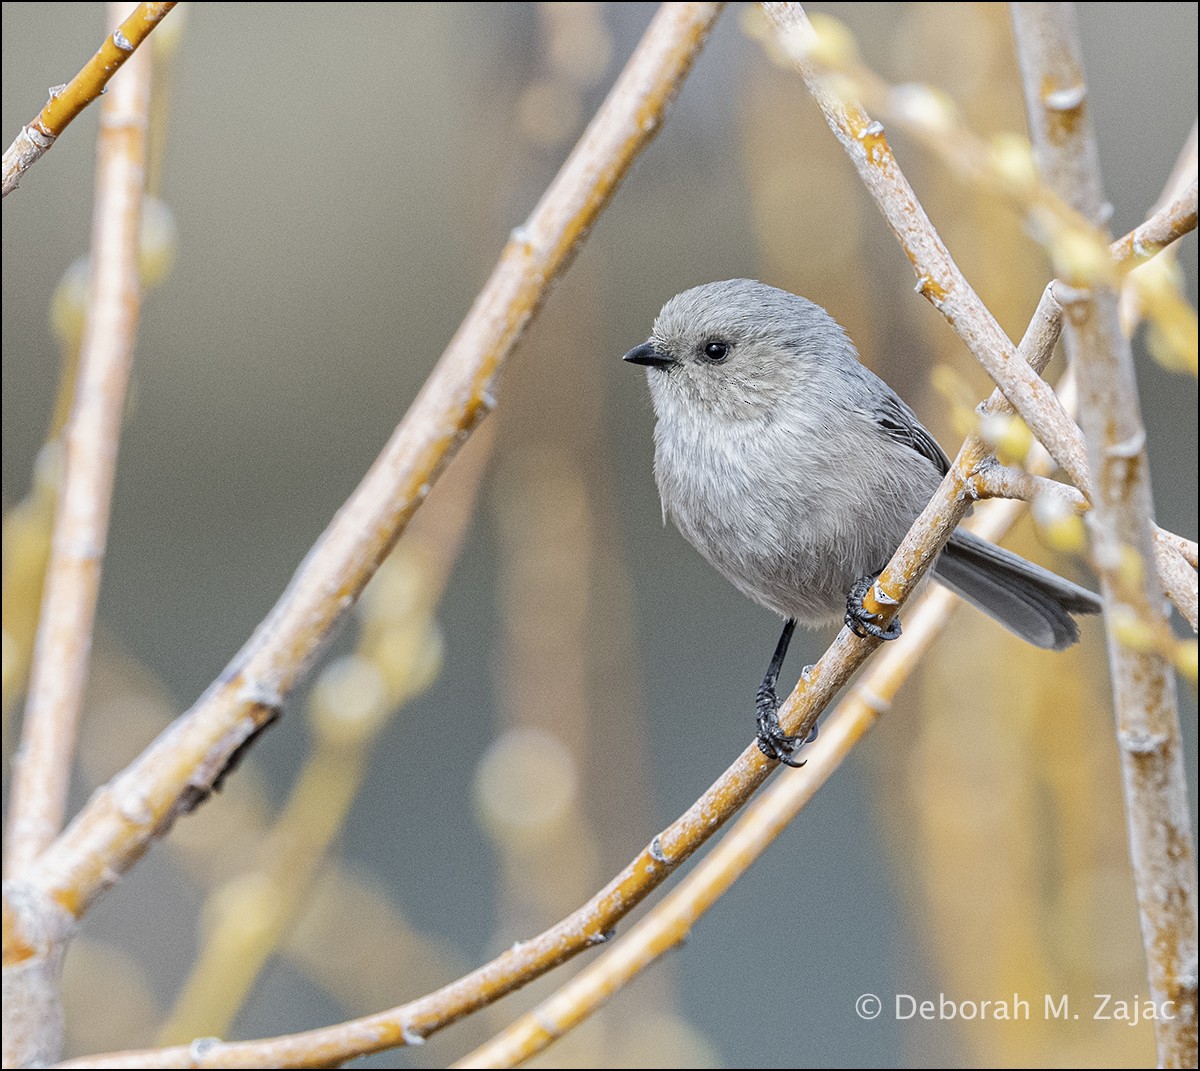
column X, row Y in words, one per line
column 795, row 470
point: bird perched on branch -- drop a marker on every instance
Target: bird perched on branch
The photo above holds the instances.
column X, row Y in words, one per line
column 796, row 472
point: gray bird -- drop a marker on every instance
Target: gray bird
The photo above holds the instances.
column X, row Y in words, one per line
column 796, row 471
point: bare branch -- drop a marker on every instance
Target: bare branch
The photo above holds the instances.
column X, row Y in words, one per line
column 66, row 102
column 1120, row 524
column 1186, row 547
column 1169, row 223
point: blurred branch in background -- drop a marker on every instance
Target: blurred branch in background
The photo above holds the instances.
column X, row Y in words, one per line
column 29, row 523
column 352, row 701
column 67, row 101
column 42, row 768
column 43, row 764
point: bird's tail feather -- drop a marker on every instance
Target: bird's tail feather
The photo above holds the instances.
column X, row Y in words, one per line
column 1028, row 600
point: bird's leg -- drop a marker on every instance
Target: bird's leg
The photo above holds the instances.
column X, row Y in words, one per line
column 772, row 740
column 860, row 620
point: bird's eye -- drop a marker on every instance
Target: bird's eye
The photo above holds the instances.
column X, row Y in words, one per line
column 716, row 351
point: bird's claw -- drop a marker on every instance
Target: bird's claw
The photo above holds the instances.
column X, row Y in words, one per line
column 860, row 620
column 771, row 739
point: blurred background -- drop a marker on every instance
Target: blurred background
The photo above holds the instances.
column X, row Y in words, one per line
column 544, row 676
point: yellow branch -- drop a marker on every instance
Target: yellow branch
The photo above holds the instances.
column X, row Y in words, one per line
column 67, row 101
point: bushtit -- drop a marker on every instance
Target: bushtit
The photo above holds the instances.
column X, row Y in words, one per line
column 796, row 471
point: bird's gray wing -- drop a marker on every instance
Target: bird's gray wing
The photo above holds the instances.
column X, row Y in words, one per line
column 900, row 423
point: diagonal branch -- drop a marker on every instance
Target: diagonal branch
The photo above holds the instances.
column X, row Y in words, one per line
column 66, row 102
column 670, row 922
column 1121, row 526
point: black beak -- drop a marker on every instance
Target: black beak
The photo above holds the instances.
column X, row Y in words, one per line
column 646, row 354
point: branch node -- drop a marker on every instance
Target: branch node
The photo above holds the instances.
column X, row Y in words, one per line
column 1141, row 741
column 1066, row 99
column 882, row 597
column 656, row 851
column 411, row 1037
column 260, row 693
column 1127, row 448
column 200, row 1048
column 1067, row 295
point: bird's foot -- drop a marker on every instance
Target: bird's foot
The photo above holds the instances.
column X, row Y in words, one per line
column 860, row 620
column 772, row 740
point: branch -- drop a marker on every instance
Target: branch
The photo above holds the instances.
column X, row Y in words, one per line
column 1134, row 300
column 66, row 102
column 670, row 922
column 939, row 279
column 1120, row 524
column 42, row 767
column 1169, row 223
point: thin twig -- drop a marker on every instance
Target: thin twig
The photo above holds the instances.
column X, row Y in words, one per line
column 66, row 102
column 1120, row 523
column 1171, row 222
column 42, row 766
column 1132, row 304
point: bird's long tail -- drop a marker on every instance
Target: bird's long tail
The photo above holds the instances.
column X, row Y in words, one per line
column 1028, row 600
